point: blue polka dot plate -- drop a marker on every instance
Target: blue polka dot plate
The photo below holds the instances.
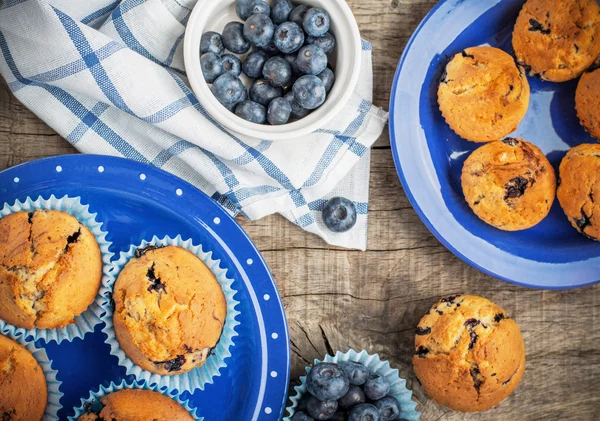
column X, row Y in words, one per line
column 429, row 156
column 135, row 202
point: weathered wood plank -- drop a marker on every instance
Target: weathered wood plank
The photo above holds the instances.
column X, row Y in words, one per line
column 339, row 299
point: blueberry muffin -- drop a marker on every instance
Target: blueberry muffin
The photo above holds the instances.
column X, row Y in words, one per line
column 138, row 405
column 586, row 102
column 469, row 355
column 579, row 188
column 50, row 269
column 557, row 40
column 483, row 95
column 509, row 184
column 169, row 310
column 23, row 391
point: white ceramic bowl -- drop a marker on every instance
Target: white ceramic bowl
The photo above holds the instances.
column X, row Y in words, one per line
column 213, row 15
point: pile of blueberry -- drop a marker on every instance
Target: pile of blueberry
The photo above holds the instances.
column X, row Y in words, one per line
column 346, row 391
column 287, row 65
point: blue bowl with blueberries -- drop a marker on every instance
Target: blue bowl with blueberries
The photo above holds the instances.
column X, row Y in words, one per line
column 273, row 69
column 352, row 386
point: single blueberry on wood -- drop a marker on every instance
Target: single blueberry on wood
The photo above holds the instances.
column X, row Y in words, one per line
column 233, row 38
column 211, row 42
column 357, row 373
column 339, row 214
column 321, row 410
column 327, row 381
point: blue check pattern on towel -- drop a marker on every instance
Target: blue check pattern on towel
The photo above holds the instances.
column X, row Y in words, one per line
column 109, row 77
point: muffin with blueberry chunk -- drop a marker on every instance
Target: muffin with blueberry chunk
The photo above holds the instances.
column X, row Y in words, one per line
column 50, row 269
column 169, row 310
column 138, row 405
column 579, row 189
column 469, row 355
column 509, row 184
column 483, row 95
column 557, row 40
column 23, row 390
column 586, row 102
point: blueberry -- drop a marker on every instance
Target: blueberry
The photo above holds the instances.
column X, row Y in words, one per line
column 389, row 408
column 254, row 63
column 364, row 412
column 316, row 22
column 339, row 215
column 277, row 71
column 280, row 12
column 271, row 49
column 327, row 381
column 326, row 42
column 279, row 112
column 321, row 410
column 309, row 91
column 297, row 15
column 263, row 93
column 291, row 58
column 355, row 396
column 376, row 388
column 259, row 29
column 328, row 78
column 357, row 373
column 288, row 37
column 311, row 60
column 252, row 112
column 211, row 42
column 247, row 8
column 302, row 416
column 229, row 90
column 231, row 65
column 297, row 111
column 212, row 67
column 233, row 38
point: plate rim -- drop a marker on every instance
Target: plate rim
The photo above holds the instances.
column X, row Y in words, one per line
column 430, row 226
column 91, row 160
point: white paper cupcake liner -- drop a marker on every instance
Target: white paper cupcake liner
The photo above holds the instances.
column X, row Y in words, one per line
column 92, row 402
column 52, row 383
column 376, row 366
column 199, row 377
column 86, row 321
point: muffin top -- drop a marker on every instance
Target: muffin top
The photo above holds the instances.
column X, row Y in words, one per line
column 509, row 184
column 483, row 95
column 50, row 269
column 138, row 405
column 169, row 310
column 580, row 188
column 557, row 40
column 23, row 391
column 469, row 355
column 586, row 102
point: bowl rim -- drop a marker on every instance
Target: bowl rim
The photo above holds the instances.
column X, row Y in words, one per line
column 229, row 120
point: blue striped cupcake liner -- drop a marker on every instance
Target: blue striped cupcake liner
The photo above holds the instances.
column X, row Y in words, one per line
column 199, row 377
column 52, row 383
column 92, row 402
column 408, row 408
column 86, row 321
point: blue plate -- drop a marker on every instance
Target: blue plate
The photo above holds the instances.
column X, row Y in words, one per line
column 429, row 156
column 254, row 383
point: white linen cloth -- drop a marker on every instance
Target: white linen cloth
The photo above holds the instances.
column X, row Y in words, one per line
column 109, row 77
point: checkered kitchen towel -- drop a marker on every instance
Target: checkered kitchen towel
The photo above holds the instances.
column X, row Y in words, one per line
column 109, row 77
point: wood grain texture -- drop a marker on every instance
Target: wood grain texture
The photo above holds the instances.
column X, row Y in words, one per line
column 337, row 299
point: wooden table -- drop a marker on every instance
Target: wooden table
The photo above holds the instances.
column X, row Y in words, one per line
column 337, row 299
